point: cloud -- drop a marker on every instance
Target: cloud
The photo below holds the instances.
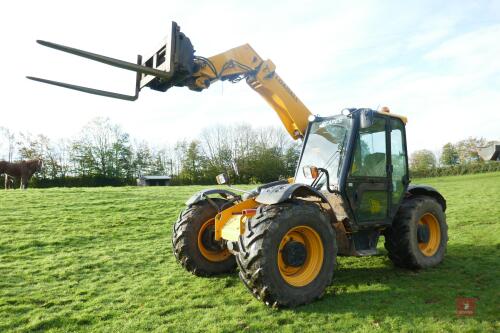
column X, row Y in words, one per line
column 475, row 52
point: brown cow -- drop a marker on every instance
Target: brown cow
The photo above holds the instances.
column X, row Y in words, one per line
column 23, row 170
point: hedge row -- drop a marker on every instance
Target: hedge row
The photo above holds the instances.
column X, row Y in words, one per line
column 456, row 170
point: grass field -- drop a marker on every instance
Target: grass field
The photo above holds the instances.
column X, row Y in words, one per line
column 100, row 259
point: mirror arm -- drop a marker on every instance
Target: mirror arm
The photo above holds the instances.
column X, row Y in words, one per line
column 328, row 181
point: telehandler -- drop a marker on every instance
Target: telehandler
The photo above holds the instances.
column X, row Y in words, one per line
column 351, row 186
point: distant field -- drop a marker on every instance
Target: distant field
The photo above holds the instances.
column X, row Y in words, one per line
column 100, row 259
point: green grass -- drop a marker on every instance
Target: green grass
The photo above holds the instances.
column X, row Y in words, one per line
column 100, row 259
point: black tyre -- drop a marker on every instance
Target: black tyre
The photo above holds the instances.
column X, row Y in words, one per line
column 194, row 245
column 418, row 235
column 287, row 254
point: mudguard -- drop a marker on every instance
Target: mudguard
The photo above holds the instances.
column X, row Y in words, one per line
column 427, row 190
column 197, row 197
column 279, row 193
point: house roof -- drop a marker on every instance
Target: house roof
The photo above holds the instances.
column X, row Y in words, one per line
column 490, row 152
column 156, row 177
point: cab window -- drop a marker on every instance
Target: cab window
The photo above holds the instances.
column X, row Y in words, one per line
column 370, row 151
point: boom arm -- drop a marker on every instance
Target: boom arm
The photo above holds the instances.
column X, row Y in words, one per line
column 243, row 62
column 174, row 64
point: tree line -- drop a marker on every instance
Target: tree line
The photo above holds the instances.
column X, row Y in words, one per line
column 104, row 154
column 457, row 158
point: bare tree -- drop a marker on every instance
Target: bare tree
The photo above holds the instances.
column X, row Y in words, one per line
column 62, row 153
column 8, row 140
column 163, row 160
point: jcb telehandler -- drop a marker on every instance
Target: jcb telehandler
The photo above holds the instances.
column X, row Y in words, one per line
column 351, row 186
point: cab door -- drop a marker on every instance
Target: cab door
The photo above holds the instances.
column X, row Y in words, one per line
column 368, row 180
column 399, row 164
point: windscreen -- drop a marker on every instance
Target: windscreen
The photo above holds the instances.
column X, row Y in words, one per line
column 324, row 148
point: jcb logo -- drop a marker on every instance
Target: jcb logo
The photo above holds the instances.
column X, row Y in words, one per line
column 375, row 206
column 286, row 87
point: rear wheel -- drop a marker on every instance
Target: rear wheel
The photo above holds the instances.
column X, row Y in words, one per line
column 287, row 254
column 418, row 235
column 194, row 244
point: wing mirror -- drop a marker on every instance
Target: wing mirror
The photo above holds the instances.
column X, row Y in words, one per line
column 310, row 172
column 366, row 118
column 222, row 179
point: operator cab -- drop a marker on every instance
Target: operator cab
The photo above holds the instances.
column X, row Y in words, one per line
column 359, row 158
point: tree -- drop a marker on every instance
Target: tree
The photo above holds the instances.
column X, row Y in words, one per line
column 467, row 149
column 122, row 156
column 62, row 149
column 266, row 165
column 161, row 163
column 7, row 139
column 422, row 160
column 103, row 149
column 220, row 149
column 192, row 162
column 29, row 147
column 143, row 159
column 291, row 158
column 449, row 156
column 40, row 147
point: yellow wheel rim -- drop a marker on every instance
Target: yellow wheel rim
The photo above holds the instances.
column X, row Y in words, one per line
column 207, row 253
column 430, row 247
column 306, row 273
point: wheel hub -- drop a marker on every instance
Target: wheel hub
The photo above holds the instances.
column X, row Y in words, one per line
column 300, row 256
column 428, row 235
column 294, row 254
column 423, row 233
column 208, row 239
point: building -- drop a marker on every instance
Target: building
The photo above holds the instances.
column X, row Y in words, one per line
column 491, row 152
column 153, row 181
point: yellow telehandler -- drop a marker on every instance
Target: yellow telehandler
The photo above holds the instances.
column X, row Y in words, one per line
column 351, row 185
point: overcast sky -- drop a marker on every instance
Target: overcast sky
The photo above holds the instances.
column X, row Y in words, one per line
column 437, row 62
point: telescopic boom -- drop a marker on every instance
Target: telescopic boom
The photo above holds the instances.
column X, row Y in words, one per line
column 174, row 64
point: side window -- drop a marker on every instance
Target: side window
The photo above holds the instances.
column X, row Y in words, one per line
column 370, row 151
column 398, row 157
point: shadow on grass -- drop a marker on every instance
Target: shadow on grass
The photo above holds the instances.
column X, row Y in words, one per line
column 385, row 290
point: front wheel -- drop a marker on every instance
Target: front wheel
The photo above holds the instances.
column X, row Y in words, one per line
column 418, row 235
column 194, row 244
column 287, row 254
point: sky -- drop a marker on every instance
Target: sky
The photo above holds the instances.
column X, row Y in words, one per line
column 436, row 62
